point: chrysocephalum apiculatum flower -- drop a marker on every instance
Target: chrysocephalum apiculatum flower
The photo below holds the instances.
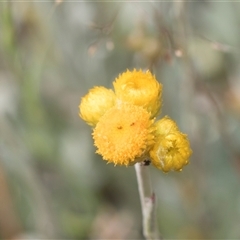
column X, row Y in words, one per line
column 95, row 104
column 124, row 131
column 139, row 88
column 171, row 150
column 124, row 134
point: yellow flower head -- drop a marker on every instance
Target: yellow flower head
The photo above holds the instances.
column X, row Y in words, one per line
column 124, row 134
column 172, row 149
column 95, row 104
column 140, row 88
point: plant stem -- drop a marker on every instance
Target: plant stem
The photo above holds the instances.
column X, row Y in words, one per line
column 148, row 202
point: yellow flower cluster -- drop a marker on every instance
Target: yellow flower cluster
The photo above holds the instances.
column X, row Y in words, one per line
column 124, row 127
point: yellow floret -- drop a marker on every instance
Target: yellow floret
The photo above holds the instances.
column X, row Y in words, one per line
column 139, row 88
column 124, row 134
column 95, row 104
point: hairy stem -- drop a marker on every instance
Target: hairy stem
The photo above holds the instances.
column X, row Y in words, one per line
column 148, row 202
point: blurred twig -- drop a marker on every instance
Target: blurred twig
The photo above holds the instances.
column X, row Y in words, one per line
column 105, row 31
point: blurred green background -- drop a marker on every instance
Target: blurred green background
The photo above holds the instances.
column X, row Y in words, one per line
column 52, row 184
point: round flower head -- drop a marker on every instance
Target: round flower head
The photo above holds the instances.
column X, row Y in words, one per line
column 172, row 152
column 140, row 88
column 172, row 149
column 124, row 134
column 95, row 104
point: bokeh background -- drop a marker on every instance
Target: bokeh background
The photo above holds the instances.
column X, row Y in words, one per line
column 52, row 184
